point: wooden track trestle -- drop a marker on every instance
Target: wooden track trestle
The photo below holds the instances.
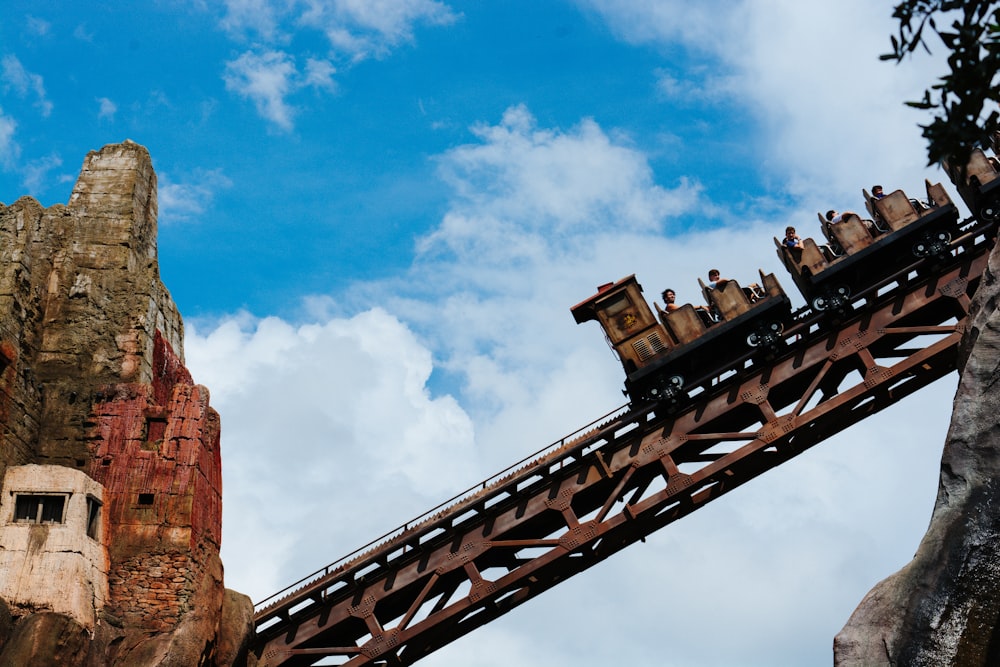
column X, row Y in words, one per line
column 590, row 499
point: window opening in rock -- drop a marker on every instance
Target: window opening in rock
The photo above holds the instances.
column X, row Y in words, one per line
column 155, row 429
column 93, row 517
column 145, row 498
column 37, row 508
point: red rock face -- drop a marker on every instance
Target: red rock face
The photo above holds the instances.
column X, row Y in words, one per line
column 156, row 451
column 8, row 354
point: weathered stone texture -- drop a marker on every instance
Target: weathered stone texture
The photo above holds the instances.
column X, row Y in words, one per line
column 92, row 380
column 943, row 608
column 161, row 464
column 80, row 303
column 56, row 566
column 233, row 644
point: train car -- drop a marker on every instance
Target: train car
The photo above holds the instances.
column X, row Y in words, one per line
column 665, row 359
column 858, row 254
column 979, row 183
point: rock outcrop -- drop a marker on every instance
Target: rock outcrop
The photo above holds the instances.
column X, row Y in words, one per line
column 111, row 504
column 943, row 608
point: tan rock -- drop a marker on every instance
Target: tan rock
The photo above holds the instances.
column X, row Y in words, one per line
column 943, row 608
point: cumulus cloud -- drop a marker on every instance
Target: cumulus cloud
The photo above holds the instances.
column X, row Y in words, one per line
column 265, row 79
column 356, row 390
column 187, row 200
column 769, row 58
column 269, row 78
column 697, row 85
column 362, row 29
column 319, row 74
column 259, row 18
column 564, row 182
column 24, row 83
column 353, row 391
column 355, row 30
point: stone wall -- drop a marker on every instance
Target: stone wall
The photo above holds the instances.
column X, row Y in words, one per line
column 161, row 469
column 61, row 566
column 92, row 380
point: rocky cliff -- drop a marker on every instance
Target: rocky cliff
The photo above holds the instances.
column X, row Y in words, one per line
column 943, row 608
column 111, row 504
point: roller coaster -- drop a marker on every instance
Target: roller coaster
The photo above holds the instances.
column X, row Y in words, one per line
column 714, row 402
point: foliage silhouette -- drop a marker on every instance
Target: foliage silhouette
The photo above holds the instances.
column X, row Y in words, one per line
column 969, row 30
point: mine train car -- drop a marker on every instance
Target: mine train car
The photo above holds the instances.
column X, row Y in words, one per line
column 665, row 359
column 979, row 183
column 855, row 253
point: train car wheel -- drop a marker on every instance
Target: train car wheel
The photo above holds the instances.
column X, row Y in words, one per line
column 767, row 335
column 671, row 387
column 932, row 244
column 820, row 302
column 664, row 389
column 990, row 212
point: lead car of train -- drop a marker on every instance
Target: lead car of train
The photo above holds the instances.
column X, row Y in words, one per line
column 670, row 355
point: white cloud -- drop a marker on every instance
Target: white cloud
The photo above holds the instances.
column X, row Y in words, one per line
column 540, row 180
column 107, row 108
column 22, row 82
column 319, row 74
column 9, row 150
column 260, row 17
column 266, row 79
column 831, row 114
column 697, row 85
column 355, row 30
column 269, row 78
column 366, row 28
column 38, row 26
column 347, row 400
column 183, row 201
column 35, row 173
column 82, row 33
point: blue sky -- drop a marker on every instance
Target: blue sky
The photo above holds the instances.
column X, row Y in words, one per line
column 266, row 159
column 374, row 217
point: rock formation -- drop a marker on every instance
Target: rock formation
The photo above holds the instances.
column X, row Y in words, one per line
column 111, row 503
column 943, row 608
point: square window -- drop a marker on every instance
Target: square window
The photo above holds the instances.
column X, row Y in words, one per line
column 37, row 508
